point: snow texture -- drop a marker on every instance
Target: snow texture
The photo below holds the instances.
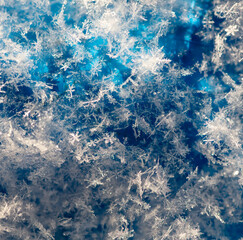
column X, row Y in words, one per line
column 121, row 120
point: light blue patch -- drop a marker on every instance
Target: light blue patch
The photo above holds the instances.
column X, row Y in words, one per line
column 205, row 85
column 117, row 77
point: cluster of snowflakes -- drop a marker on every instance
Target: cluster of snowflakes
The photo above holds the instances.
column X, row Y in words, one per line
column 121, row 119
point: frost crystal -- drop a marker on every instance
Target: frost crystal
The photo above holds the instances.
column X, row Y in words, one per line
column 121, row 119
